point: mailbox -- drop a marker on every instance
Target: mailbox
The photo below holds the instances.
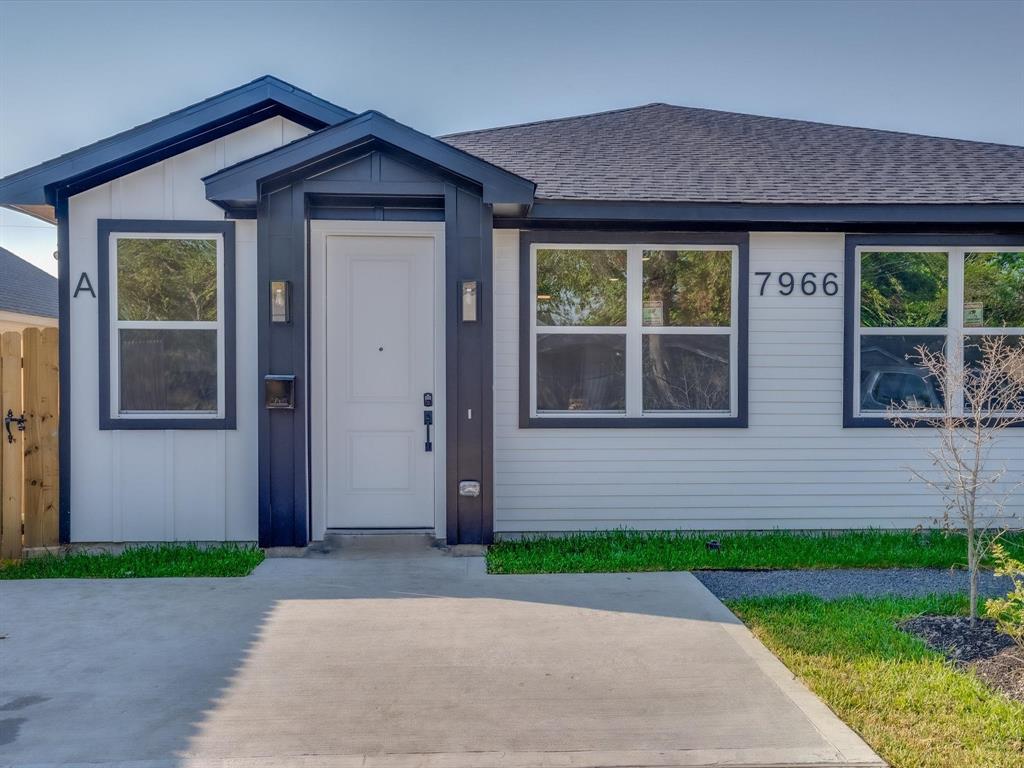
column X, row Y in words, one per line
column 279, row 391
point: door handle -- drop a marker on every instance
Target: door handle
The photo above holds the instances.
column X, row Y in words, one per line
column 428, row 419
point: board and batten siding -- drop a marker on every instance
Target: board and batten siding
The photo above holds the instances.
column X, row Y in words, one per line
column 793, row 467
column 166, row 485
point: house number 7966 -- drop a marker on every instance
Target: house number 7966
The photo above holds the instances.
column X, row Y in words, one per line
column 787, row 283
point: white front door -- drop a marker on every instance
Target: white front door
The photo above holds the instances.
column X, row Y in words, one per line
column 379, row 334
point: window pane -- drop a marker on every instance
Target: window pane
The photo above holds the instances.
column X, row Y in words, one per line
column 903, row 290
column 994, row 290
column 687, row 288
column 686, row 373
column 889, row 376
column 168, row 370
column 581, row 287
column 581, row 372
column 166, row 279
column 1008, row 388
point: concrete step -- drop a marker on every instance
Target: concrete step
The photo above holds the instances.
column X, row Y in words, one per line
column 377, row 544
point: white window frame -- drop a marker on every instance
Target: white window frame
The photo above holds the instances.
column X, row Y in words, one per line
column 634, row 331
column 954, row 331
column 117, row 325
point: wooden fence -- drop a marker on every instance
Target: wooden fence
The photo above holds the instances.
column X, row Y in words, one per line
column 29, row 459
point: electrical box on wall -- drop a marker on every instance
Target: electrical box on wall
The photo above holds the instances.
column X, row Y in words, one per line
column 279, row 391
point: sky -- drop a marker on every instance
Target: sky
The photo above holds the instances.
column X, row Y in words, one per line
column 73, row 73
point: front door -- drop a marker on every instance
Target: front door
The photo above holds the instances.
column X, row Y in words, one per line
column 379, row 314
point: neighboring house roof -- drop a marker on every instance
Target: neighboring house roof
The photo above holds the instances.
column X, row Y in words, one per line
column 236, row 188
column 158, row 139
column 26, row 289
column 661, row 152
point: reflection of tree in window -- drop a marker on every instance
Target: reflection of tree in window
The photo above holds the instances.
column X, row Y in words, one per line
column 686, row 373
column 581, row 287
column 581, row 372
column 996, row 281
column 172, row 279
column 162, row 281
column 903, row 290
column 168, row 370
column 694, row 288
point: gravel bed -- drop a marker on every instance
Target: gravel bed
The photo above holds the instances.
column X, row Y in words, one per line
column 905, row 582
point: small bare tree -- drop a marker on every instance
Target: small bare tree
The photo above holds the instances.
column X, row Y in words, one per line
column 980, row 401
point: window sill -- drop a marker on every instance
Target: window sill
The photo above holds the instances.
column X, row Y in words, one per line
column 653, row 422
column 167, row 423
column 875, row 422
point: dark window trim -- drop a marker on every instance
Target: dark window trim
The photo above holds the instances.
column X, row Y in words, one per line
column 851, row 388
column 528, row 238
column 106, row 227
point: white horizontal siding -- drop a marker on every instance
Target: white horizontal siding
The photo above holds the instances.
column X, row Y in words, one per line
column 165, row 485
column 793, row 467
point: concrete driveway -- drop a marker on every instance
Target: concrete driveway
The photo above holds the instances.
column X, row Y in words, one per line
column 417, row 658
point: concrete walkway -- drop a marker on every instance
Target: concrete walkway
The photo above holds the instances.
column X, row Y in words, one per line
column 415, row 659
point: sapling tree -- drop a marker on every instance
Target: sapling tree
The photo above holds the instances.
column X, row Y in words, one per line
column 982, row 396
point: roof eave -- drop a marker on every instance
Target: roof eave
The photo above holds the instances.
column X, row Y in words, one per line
column 805, row 213
column 161, row 138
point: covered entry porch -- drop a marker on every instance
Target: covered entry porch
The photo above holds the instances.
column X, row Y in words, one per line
column 348, row 218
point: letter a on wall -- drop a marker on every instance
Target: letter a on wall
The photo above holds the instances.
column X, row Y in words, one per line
column 84, row 285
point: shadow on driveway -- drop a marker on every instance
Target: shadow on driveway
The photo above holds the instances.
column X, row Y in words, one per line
column 412, row 660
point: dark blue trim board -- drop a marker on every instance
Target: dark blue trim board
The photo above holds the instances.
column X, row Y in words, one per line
column 106, row 227
column 529, row 238
column 64, row 371
column 851, row 388
column 832, row 217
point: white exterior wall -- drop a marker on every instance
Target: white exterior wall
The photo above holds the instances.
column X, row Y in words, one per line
column 185, row 485
column 794, row 466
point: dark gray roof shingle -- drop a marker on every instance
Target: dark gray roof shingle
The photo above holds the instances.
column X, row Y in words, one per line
column 682, row 154
column 24, row 288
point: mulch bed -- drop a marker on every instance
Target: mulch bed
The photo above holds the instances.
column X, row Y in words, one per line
column 992, row 656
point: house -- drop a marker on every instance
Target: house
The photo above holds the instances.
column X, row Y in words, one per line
column 28, row 296
column 280, row 318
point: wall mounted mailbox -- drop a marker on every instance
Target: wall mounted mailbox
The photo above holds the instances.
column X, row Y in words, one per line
column 280, row 301
column 279, row 391
column 469, row 301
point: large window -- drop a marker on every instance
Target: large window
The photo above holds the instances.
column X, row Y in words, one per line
column 634, row 334
column 166, row 317
column 944, row 294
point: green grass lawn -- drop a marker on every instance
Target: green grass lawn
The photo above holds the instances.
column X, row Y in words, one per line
column 914, row 709
column 140, row 562
column 617, row 551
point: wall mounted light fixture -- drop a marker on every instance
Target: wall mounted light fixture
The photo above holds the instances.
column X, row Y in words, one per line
column 280, row 301
column 469, row 301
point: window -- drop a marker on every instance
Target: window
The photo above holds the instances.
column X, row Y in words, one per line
column 943, row 293
column 167, row 308
column 634, row 334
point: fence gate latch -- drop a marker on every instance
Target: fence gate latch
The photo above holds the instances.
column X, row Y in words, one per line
column 10, row 419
